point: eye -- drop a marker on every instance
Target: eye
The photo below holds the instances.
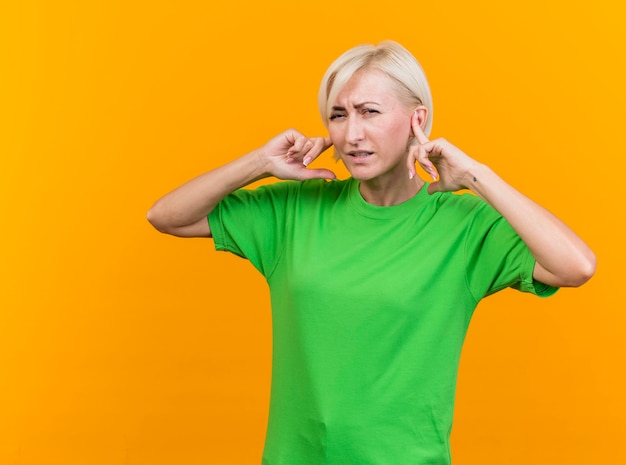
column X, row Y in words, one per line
column 335, row 116
column 369, row 111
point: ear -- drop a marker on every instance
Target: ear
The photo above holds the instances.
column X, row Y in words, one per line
column 422, row 114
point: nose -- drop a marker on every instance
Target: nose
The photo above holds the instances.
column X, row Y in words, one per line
column 354, row 130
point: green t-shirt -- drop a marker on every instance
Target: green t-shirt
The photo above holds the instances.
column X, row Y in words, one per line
column 370, row 307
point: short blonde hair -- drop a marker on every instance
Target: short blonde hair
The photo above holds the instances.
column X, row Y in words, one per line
column 389, row 57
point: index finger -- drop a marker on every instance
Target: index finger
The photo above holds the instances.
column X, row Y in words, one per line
column 320, row 144
column 327, row 142
column 417, row 130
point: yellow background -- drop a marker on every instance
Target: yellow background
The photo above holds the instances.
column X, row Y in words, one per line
column 119, row 345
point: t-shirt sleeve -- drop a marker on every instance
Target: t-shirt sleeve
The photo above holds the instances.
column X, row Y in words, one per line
column 252, row 224
column 497, row 258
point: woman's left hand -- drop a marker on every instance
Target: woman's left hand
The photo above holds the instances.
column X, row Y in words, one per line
column 440, row 159
column 562, row 258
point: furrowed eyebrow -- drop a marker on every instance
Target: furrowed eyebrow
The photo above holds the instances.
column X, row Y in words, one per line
column 361, row 105
column 358, row 106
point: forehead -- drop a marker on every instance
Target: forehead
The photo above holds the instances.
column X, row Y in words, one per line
column 370, row 84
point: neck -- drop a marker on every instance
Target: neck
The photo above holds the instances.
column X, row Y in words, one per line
column 386, row 194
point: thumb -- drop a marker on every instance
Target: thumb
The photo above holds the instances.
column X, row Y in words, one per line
column 318, row 174
column 434, row 187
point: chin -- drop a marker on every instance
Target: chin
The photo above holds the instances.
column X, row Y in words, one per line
column 362, row 173
column 361, row 177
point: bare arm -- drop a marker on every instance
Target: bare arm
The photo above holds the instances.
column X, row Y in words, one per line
column 183, row 212
column 562, row 258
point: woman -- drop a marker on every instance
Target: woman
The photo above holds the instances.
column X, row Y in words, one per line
column 373, row 279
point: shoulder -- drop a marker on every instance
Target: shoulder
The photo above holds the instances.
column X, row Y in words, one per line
column 464, row 202
column 290, row 192
column 318, row 186
column 323, row 187
column 463, row 208
column 319, row 194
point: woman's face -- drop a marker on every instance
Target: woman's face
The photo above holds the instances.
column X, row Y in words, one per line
column 371, row 128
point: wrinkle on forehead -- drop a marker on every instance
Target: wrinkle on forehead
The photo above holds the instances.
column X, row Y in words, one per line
column 368, row 86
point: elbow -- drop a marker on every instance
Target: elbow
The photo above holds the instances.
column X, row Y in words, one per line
column 165, row 220
column 572, row 272
column 584, row 271
column 589, row 269
column 158, row 219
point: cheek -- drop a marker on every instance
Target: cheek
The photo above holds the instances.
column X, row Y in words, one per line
column 335, row 135
column 402, row 127
column 399, row 134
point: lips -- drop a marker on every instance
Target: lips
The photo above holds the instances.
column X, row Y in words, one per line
column 359, row 154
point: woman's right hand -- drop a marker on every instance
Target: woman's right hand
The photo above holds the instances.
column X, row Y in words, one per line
column 288, row 155
column 183, row 211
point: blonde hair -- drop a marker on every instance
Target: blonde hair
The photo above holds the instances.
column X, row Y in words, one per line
column 389, row 57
